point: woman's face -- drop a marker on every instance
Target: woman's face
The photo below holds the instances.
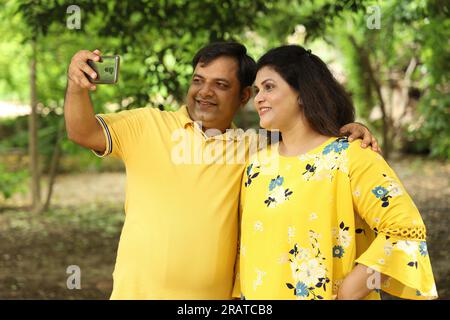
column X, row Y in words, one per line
column 275, row 101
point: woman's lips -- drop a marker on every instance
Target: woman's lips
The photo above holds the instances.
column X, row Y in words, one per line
column 262, row 111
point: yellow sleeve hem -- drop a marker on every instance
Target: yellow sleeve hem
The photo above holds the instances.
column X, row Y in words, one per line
column 407, row 264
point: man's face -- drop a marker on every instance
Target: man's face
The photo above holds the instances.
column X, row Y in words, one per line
column 214, row 94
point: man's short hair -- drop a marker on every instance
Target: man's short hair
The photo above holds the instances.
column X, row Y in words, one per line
column 246, row 65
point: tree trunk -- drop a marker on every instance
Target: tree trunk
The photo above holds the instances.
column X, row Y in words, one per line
column 33, row 137
column 54, row 166
column 386, row 123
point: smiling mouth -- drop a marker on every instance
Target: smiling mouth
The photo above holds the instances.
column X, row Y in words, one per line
column 205, row 104
column 263, row 110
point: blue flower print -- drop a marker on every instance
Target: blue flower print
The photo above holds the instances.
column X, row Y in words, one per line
column 249, row 169
column 272, row 185
column 328, row 148
column 338, row 251
column 423, row 248
column 278, row 181
column 337, row 146
column 340, row 145
column 379, row 192
column 301, row 290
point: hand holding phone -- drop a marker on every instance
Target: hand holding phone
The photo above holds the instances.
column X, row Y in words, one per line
column 88, row 68
column 106, row 68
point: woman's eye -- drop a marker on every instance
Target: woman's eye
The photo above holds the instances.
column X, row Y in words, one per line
column 268, row 87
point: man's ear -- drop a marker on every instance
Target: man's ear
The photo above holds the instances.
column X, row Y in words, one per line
column 246, row 94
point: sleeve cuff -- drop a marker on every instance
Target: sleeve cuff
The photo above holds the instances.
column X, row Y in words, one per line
column 107, row 134
column 407, row 264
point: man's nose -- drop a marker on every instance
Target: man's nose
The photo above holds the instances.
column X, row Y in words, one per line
column 205, row 91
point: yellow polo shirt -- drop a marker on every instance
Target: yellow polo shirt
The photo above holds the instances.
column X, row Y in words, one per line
column 179, row 239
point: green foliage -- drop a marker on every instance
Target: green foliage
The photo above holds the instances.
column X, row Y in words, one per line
column 434, row 125
column 432, row 131
column 11, row 182
column 157, row 40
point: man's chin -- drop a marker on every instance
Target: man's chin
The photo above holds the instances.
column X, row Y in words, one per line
column 206, row 115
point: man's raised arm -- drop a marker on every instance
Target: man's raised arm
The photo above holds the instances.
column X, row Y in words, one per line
column 81, row 125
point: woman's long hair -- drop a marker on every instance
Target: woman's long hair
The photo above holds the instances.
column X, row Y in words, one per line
column 324, row 102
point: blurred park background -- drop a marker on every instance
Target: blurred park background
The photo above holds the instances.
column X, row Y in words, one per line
column 61, row 206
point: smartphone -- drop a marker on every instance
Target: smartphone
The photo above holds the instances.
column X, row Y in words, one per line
column 107, row 69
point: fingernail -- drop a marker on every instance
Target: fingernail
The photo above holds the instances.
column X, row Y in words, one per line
column 93, row 75
column 350, row 139
column 363, row 145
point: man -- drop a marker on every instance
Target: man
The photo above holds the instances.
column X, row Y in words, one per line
column 179, row 239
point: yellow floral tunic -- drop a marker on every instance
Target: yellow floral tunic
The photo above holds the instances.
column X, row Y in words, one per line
column 307, row 220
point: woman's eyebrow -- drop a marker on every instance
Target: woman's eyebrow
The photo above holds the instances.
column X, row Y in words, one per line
column 268, row 79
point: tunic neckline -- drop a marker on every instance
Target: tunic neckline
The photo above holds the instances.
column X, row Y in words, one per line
column 312, row 151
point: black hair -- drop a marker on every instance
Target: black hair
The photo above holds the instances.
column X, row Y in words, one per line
column 246, row 65
column 324, row 102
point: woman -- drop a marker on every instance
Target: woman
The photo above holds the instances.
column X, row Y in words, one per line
column 323, row 218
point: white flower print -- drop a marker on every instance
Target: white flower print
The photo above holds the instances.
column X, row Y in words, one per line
column 409, row 247
column 304, row 254
column 310, row 272
column 344, row 238
column 322, row 166
column 291, row 234
column 313, row 236
column 259, row 279
column 394, row 189
column 258, row 226
column 388, row 248
column 278, row 195
column 313, row 216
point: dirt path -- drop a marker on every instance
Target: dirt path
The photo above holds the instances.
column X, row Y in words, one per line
column 85, row 228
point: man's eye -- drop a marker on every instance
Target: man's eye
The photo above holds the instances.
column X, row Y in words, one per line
column 195, row 80
column 222, row 85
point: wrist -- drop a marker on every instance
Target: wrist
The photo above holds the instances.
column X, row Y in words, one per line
column 73, row 88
